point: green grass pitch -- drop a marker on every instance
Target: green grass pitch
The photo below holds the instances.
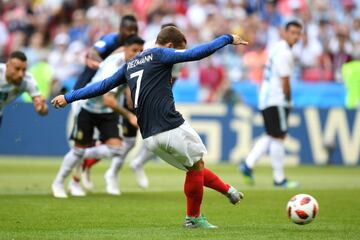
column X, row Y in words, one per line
column 28, row 211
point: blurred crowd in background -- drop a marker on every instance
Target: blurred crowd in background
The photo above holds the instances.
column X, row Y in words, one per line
column 55, row 35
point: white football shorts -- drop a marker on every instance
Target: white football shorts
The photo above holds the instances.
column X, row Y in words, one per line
column 180, row 147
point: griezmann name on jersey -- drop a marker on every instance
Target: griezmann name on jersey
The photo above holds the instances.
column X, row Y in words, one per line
column 149, row 78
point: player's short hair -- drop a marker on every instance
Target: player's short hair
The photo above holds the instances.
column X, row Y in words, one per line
column 294, row 23
column 168, row 25
column 18, row 55
column 134, row 39
column 127, row 20
column 171, row 34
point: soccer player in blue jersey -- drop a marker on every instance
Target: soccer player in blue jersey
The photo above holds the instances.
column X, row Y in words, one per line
column 129, row 133
column 163, row 129
column 104, row 47
column 144, row 154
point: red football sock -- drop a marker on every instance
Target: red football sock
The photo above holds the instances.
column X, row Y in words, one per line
column 194, row 188
column 88, row 163
column 211, row 180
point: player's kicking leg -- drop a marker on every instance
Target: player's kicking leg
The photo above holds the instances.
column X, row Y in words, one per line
column 187, row 155
column 211, row 180
column 193, row 218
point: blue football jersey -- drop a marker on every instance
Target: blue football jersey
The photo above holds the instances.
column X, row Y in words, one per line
column 149, row 80
column 148, row 76
column 107, row 44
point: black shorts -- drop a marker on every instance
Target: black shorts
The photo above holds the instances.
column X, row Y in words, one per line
column 128, row 129
column 106, row 123
column 276, row 120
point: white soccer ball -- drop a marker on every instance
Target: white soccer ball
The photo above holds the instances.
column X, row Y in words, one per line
column 302, row 208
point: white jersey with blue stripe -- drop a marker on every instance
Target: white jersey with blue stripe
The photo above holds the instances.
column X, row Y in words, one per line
column 280, row 64
column 9, row 92
column 106, row 69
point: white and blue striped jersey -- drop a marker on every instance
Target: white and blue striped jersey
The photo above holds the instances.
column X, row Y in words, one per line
column 106, row 69
column 9, row 92
column 280, row 64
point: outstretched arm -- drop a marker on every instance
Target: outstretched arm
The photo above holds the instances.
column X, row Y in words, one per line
column 40, row 105
column 92, row 90
column 110, row 101
column 172, row 56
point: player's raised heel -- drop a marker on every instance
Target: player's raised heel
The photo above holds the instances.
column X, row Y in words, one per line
column 75, row 189
column 112, row 186
column 58, row 190
column 197, row 222
column 234, row 195
column 247, row 174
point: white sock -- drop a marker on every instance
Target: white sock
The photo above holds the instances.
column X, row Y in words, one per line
column 98, row 152
column 116, row 164
column 142, row 157
column 118, row 160
column 277, row 154
column 259, row 149
column 129, row 143
column 71, row 159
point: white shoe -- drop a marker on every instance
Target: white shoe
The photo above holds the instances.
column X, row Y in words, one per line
column 75, row 189
column 86, row 180
column 58, row 190
column 140, row 175
column 112, row 186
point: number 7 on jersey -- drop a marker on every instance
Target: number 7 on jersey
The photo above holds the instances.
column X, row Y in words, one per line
column 139, row 75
